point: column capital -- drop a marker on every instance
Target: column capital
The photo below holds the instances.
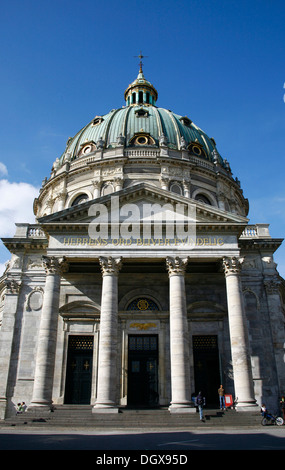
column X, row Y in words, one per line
column 61, row 196
column 271, row 285
column 232, row 265
column 96, row 183
column 176, row 266
column 12, row 286
column 54, row 265
column 110, row 266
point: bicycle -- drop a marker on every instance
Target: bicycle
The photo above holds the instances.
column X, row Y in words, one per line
column 268, row 418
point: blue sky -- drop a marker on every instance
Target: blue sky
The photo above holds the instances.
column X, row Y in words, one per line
column 221, row 63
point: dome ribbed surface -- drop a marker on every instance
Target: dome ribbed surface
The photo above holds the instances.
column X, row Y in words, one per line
column 133, row 120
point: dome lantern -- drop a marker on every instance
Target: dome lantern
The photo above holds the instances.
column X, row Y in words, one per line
column 140, row 91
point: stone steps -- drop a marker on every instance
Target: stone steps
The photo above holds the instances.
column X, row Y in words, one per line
column 72, row 416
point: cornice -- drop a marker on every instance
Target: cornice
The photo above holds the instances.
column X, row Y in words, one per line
column 271, row 244
column 25, row 244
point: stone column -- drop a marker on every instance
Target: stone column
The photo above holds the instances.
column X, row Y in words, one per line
column 179, row 337
column 7, row 335
column 164, row 181
column 118, row 183
column 97, row 188
column 61, row 200
column 242, row 371
column 107, row 368
column 45, row 358
column 276, row 316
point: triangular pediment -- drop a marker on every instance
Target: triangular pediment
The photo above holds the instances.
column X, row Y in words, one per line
column 140, row 199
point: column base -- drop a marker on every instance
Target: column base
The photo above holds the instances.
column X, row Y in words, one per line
column 181, row 408
column 101, row 408
column 43, row 405
column 252, row 406
column 3, row 407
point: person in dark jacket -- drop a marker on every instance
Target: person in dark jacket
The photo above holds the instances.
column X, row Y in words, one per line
column 200, row 402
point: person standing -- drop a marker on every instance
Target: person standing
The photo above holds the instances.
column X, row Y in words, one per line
column 263, row 410
column 19, row 409
column 23, row 406
column 200, row 402
column 221, row 392
column 282, row 405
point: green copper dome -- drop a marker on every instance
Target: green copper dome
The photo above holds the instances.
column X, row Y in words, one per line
column 140, row 143
column 142, row 124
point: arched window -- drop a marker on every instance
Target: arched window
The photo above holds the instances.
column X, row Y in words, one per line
column 141, row 304
column 80, row 199
column 176, row 188
column 107, row 189
column 203, row 199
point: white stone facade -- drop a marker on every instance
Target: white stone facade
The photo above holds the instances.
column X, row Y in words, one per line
column 239, row 303
column 152, row 311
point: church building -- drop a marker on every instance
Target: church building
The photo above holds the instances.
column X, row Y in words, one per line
column 141, row 281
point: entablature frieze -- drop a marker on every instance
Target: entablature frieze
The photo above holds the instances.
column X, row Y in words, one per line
column 214, row 246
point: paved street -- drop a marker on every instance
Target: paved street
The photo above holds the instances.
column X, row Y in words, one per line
column 270, row 438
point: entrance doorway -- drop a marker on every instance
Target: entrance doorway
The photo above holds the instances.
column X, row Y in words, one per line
column 143, row 370
column 206, row 367
column 79, row 370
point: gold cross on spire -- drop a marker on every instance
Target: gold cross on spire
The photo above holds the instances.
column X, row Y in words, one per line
column 141, row 57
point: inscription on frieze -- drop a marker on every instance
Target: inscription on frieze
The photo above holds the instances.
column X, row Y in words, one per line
column 137, row 242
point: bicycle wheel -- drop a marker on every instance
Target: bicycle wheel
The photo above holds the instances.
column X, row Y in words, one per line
column 264, row 422
column 279, row 421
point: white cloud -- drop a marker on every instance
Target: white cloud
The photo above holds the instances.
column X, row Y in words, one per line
column 16, row 205
column 3, row 267
column 3, row 169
